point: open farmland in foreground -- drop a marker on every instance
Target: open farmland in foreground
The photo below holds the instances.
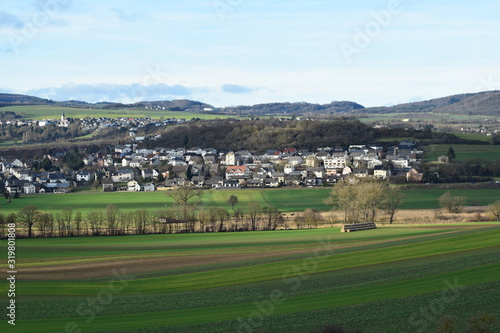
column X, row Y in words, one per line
column 385, row 280
column 286, row 200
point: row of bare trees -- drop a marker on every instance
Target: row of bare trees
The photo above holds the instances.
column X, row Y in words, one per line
column 69, row 223
column 32, row 222
column 360, row 200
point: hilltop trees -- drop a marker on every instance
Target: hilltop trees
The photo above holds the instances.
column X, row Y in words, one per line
column 267, row 134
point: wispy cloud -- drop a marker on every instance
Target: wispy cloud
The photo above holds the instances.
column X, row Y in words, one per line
column 125, row 93
column 7, row 20
column 236, row 89
column 124, row 16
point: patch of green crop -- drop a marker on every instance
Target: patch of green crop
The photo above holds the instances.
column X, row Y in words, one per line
column 263, row 272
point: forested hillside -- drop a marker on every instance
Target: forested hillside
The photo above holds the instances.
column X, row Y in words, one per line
column 260, row 135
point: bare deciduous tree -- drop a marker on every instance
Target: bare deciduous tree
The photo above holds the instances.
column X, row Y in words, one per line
column 494, row 210
column 232, row 201
column 358, row 198
column 222, row 215
column 312, row 217
column 392, row 198
column 27, row 216
column 185, row 197
column 454, row 204
column 253, row 210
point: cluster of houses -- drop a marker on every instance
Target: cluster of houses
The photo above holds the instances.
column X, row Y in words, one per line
column 95, row 124
column 482, row 130
column 130, row 168
column 19, row 179
column 63, row 122
column 133, row 124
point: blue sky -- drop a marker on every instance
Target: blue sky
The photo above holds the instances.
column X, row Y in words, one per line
column 232, row 52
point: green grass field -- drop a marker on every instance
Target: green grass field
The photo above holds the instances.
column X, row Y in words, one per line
column 54, row 112
column 463, row 152
column 279, row 281
column 427, row 116
column 478, row 137
column 287, row 200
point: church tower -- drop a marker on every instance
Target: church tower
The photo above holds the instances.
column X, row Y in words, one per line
column 63, row 118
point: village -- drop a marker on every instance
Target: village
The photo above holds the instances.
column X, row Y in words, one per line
column 129, row 168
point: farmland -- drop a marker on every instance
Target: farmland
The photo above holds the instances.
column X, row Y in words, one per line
column 429, row 117
column 278, row 281
column 464, row 152
column 286, row 200
column 477, row 137
column 54, row 112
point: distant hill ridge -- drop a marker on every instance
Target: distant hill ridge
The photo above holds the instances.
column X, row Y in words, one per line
column 482, row 103
column 16, row 99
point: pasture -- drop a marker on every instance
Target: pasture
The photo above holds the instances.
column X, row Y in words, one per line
column 384, row 280
column 54, row 112
column 463, row 152
column 478, row 137
column 433, row 118
column 286, row 200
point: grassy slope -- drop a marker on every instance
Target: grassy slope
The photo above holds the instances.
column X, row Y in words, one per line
column 54, row 112
column 464, row 152
column 325, row 284
column 479, row 137
column 287, row 200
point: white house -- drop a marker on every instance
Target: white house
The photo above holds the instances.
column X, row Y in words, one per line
column 29, row 188
column 148, row 187
column 237, row 171
column 289, row 168
column 123, row 175
column 380, row 173
column 133, row 186
column 83, row 176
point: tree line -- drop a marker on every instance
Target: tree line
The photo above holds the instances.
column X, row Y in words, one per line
column 359, row 199
column 187, row 217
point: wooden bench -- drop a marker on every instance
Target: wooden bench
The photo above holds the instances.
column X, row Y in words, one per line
column 358, row 226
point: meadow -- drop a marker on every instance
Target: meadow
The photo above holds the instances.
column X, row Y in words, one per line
column 391, row 279
column 286, row 200
column 478, row 137
column 433, row 118
column 54, row 112
column 464, row 152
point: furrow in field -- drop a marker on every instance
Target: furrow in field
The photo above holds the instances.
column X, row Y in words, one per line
column 263, row 272
column 455, row 280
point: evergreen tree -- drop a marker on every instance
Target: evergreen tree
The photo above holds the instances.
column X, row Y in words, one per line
column 451, row 154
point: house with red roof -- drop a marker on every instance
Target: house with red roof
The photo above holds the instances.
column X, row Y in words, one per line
column 238, row 172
